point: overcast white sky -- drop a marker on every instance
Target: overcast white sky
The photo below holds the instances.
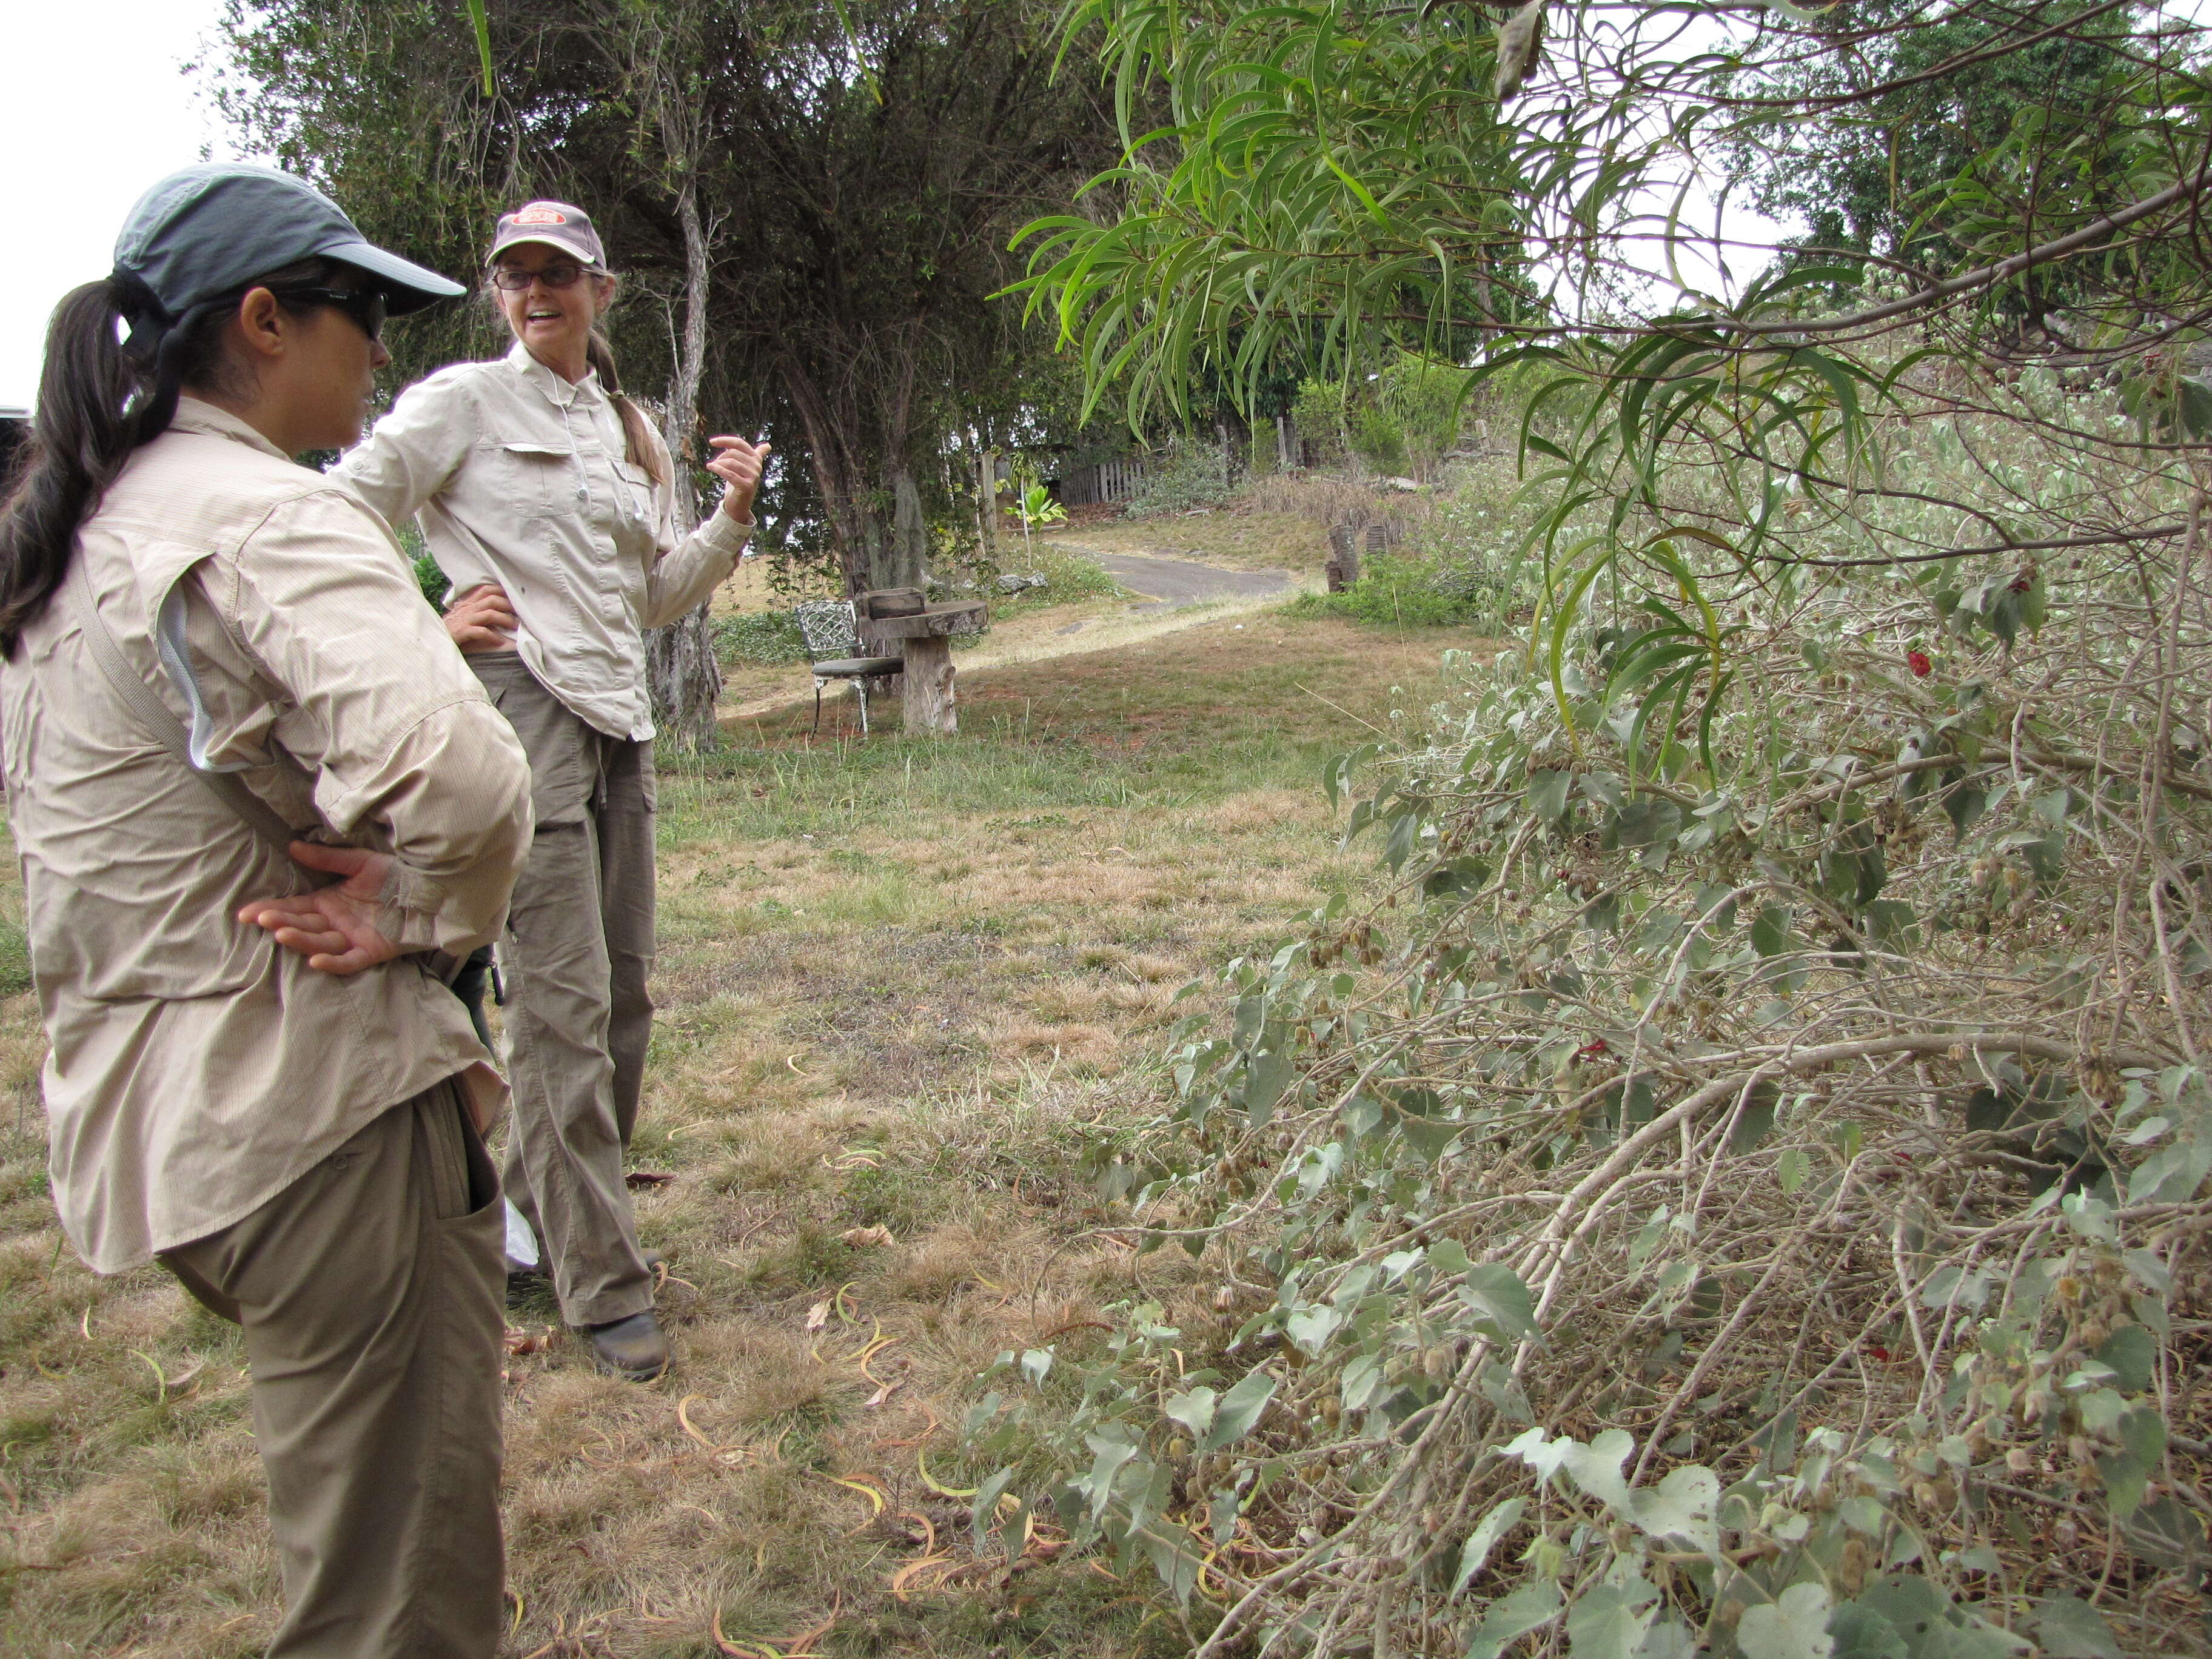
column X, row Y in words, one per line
column 96, row 109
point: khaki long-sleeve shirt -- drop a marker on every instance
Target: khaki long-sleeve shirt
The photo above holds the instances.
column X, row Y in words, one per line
column 196, row 1068
column 519, row 478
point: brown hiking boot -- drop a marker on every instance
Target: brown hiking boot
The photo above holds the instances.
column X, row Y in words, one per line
column 633, row 1348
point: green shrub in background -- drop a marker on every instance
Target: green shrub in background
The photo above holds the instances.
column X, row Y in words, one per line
column 427, row 577
column 1318, row 413
column 1408, row 593
column 758, row 638
column 1422, row 401
column 1192, row 473
column 1376, row 438
column 1067, row 577
column 431, row 579
column 1404, row 419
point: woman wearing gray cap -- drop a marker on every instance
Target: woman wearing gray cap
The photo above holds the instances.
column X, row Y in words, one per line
column 257, row 798
column 549, row 501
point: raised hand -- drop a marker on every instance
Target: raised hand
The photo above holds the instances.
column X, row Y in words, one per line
column 334, row 927
column 738, row 465
column 482, row 619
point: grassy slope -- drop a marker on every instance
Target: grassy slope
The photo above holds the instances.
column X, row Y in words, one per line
column 1236, row 536
column 895, row 981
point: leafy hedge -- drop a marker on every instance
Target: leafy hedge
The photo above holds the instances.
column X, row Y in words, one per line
column 761, row 639
column 1192, row 473
column 1739, row 1188
column 1411, row 592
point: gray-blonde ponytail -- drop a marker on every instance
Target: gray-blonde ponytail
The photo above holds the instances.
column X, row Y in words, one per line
column 638, row 447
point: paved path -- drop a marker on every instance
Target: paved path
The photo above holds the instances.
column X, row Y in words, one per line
column 1170, row 583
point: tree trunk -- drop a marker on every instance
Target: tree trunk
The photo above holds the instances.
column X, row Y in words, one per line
column 986, row 505
column 680, row 669
column 857, row 430
column 908, row 545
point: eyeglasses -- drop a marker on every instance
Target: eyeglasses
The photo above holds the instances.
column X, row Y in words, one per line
column 513, row 279
column 364, row 304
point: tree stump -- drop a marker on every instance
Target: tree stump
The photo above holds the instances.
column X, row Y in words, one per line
column 929, row 700
column 1343, row 567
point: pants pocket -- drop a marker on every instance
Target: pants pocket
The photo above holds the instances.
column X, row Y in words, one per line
column 463, row 1181
column 552, row 736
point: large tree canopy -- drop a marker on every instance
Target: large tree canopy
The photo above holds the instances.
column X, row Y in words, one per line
column 843, row 178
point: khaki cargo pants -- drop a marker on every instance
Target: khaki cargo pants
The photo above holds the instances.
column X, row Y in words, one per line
column 372, row 1292
column 573, row 962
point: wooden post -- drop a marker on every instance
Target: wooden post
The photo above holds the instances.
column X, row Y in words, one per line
column 929, row 697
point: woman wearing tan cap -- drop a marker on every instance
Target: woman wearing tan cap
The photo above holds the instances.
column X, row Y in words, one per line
column 548, row 500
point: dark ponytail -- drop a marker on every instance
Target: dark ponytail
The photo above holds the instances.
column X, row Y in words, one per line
column 638, row 447
column 89, row 418
column 99, row 400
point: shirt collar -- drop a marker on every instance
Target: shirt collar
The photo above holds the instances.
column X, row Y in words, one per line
column 555, row 389
column 195, row 416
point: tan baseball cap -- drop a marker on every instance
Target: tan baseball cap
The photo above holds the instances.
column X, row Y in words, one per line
column 557, row 224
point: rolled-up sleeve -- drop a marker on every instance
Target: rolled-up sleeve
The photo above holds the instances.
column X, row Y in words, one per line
column 456, row 851
column 687, row 569
column 409, row 757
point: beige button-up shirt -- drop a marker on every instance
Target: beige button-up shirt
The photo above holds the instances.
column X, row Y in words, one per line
column 519, row 479
column 196, row 1068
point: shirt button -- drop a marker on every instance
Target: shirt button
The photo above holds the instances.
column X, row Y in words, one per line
column 582, row 493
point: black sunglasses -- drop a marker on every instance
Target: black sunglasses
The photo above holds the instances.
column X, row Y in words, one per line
column 364, row 304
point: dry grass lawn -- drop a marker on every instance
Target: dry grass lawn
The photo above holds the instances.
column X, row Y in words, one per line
column 1237, row 535
column 896, row 983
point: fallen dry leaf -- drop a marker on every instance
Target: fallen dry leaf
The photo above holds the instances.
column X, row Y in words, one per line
column 793, row 1645
column 903, row 1580
column 819, row 1316
column 861, row 1238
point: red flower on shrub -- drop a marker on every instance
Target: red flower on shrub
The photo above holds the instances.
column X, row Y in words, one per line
column 1918, row 663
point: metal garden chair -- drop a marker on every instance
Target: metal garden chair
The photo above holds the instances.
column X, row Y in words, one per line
column 833, row 645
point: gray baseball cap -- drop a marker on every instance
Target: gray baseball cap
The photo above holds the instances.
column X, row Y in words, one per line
column 557, row 224
column 209, row 230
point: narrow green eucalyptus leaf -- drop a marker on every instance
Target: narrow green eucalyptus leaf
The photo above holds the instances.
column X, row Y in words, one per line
column 481, row 23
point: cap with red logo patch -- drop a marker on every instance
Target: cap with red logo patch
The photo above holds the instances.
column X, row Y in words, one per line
column 556, row 224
